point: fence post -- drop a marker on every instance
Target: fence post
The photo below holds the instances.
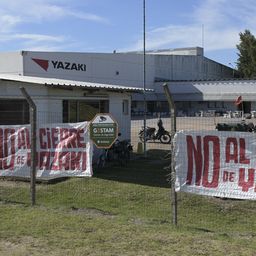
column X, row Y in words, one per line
column 32, row 112
column 173, row 173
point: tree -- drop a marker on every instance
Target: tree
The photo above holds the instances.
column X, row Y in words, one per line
column 246, row 62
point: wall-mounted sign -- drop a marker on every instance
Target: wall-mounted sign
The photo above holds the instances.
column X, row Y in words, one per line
column 103, row 130
column 57, row 64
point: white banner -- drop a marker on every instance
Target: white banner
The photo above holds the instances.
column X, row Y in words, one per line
column 214, row 163
column 62, row 150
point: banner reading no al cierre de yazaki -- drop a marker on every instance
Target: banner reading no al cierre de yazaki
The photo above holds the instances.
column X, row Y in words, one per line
column 62, row 150
column 213, row 163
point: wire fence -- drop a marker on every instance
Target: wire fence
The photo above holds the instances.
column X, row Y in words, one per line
column 141, row 188
column 138, row 190
column 216, row 211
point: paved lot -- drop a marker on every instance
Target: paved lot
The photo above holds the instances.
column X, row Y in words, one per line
column 183, row 123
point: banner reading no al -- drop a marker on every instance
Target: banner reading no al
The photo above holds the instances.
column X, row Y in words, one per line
column 216, row 163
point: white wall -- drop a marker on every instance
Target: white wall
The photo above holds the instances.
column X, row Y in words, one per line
column 189, row 68
column 11, row 89
column 114, row 68
column 49, row 111
column 116, row 110
column 49, row 102
column 118, row 68
column 11, row 63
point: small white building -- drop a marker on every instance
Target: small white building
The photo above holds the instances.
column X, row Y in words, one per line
column 59, row 100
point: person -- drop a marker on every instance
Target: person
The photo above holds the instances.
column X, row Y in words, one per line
column 160, row 126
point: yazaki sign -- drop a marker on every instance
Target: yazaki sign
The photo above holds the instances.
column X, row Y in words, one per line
column 46, row 64
column 216, row 163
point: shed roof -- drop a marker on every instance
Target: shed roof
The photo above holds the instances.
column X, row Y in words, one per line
column 211, row 90
column 68, row 84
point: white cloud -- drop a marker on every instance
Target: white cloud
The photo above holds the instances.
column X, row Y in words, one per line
column 15, row 14
column 39, row 37
column 88, row 16
column 42, row 47
column 31, row 37
column 222, row 21
column 35, row 41
column 34, row 11
column 169, row 35
column 7, row 22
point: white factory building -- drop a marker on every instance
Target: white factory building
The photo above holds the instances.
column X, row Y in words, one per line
column 118, row 69
column 72, row 82
column 115, row 68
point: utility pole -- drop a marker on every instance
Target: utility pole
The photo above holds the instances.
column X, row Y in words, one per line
column 144, row 76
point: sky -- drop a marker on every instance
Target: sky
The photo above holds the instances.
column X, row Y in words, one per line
column 108, row 25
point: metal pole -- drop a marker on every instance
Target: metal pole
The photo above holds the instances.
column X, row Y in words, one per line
column 171, row 107
column 173, row 173
column 32, row 107
column 144, row 76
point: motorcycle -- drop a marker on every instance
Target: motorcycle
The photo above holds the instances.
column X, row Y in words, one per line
column 120, row 150
column 151, row 134
column 241, row 127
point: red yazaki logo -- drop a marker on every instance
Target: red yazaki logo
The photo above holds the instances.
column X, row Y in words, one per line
column 44, row 64
column 57, row 64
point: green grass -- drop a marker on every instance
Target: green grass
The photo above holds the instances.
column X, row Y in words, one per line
column 122, row 211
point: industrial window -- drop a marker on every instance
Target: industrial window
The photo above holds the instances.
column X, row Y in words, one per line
column 211, row 104
column 125, row 107
column 14, row 112
column 83, row 110
column 215, row 104
column 219, row 104
column 151, row 106
column 134, row 104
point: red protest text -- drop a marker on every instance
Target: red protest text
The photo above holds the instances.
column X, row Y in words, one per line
column 203, row 154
